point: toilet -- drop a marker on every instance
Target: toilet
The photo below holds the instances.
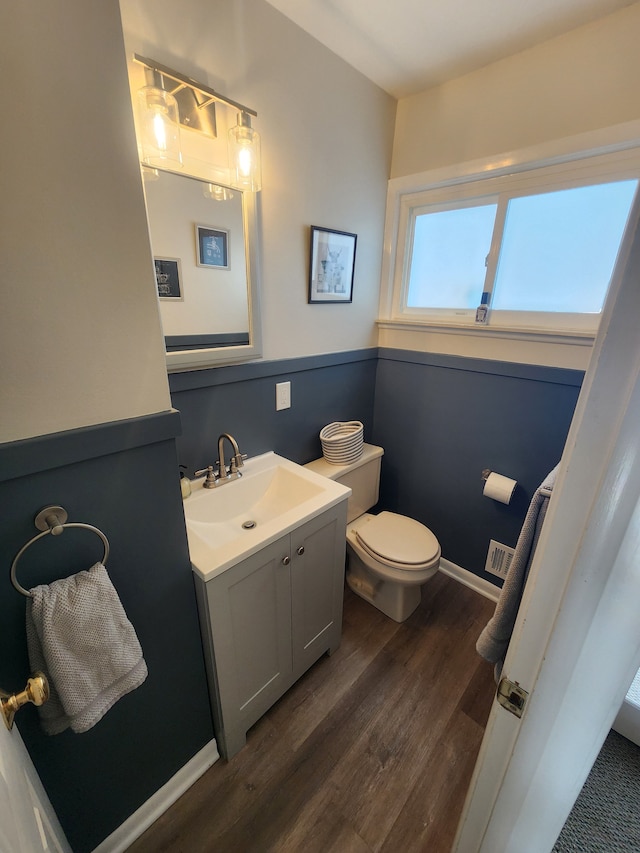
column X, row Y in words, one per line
column 390, row 556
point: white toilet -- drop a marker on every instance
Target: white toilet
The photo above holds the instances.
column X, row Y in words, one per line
column 390, row 555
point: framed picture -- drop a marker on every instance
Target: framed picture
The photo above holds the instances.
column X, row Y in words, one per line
column 212, row 247
column 332, row 264
column 168, row 278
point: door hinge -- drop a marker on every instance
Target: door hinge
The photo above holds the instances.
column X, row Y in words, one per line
column 512, row 697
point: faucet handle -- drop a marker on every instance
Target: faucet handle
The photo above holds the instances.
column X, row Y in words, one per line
column 237, row 461
column 210, row 480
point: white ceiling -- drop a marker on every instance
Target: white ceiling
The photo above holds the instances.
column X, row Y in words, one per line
column 407, row 46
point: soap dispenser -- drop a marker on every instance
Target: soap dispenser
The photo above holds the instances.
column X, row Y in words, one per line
column 185, row 484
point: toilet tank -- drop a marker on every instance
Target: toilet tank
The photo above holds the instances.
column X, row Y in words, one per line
column 361, row 476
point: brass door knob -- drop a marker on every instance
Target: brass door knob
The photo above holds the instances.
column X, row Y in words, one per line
column 36, row 692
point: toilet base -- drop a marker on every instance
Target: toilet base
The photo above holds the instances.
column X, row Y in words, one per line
column 398, row 601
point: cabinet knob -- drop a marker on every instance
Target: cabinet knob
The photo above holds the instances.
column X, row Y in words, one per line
column 300, row 551
column 286, row 561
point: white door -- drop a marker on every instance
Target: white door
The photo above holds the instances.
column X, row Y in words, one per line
column 27, row 820
column 576, row 643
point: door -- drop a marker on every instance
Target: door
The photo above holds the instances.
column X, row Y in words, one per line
column 27, row 820
column 576, row 643
column 249, row 614
column 317, row 586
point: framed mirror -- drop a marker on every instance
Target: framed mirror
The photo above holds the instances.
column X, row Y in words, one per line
column 204, row 243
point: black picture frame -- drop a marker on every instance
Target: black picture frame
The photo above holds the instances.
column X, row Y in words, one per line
column 168, row 279
column 212, row 247
column 332, row 259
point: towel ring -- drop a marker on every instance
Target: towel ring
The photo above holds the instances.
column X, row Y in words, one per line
column 53, row 519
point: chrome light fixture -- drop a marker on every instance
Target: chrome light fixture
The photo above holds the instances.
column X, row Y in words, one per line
column 159, row 127
column 171, row 100
column 244, row 155
column 215, row 192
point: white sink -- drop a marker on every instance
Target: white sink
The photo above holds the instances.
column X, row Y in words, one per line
column 230, row 522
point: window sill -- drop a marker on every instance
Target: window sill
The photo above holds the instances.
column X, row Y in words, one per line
column 533, row 334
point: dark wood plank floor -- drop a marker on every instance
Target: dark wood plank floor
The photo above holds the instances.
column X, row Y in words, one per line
column 372, row 750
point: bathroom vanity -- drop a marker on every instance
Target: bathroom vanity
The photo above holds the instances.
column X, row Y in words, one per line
column 269, row 585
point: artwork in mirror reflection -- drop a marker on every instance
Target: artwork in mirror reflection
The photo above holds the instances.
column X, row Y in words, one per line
column 212, row 305
column 168, row 278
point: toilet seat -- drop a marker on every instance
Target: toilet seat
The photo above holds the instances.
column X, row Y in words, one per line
column 399, row 542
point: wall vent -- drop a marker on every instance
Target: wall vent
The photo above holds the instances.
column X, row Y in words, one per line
column 498, row 559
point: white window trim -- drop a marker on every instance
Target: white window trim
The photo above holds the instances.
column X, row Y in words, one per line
column 612, row 152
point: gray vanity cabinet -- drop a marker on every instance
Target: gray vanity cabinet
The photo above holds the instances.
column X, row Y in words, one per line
column 266, row 620
column 317, row 587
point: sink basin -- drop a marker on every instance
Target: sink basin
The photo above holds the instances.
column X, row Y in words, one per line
column 233, row 521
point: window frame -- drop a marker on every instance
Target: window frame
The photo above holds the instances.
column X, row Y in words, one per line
column 440, row 207
column 521, row 175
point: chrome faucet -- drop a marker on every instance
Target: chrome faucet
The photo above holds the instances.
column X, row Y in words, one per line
column 223, row 474
column 237, row 460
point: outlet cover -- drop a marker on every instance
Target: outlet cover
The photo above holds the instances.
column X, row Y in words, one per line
column 499, row 559
column 283, row 396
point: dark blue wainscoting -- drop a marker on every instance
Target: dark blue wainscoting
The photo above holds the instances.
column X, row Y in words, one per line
column 123, row 479
column 443, row 419
column 440, row 419
column 241, row 400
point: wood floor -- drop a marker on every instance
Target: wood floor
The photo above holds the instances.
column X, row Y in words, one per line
column 372, row 750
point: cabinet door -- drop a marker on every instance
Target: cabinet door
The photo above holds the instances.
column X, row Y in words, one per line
column 250, row 618
column 317, row 586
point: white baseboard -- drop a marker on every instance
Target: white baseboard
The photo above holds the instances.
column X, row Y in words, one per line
column 467, row 578
column 140, row 820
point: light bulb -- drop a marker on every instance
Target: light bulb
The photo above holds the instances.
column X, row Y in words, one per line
column 245, row 162
column 160, row 128
column 244, row 155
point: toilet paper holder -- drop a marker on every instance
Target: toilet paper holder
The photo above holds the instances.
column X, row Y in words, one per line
column 497, row 486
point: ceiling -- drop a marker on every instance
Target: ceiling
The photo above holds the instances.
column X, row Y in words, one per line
column 407, row 46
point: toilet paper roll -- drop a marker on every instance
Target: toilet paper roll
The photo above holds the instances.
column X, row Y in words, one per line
column 499, row 488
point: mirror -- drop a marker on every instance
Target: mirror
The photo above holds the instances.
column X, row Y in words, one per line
column 204, row 242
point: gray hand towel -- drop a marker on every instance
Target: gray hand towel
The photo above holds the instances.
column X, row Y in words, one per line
column 79, row 635
column 494, row 640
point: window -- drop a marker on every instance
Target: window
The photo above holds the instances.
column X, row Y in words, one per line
column 558, row 249
column 532, row 250
column 450, row 248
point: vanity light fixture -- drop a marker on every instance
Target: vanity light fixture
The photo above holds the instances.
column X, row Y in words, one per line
column 244, row 155
column 149, row 173
column 194, row 108
column 160, row 131
column 216, row 192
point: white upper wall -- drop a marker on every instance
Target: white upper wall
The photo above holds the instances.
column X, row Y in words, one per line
column 585, row 80
column 326, row 146
column 80, row 338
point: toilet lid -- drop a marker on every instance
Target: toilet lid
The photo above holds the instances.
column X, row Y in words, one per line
column 398, row 539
